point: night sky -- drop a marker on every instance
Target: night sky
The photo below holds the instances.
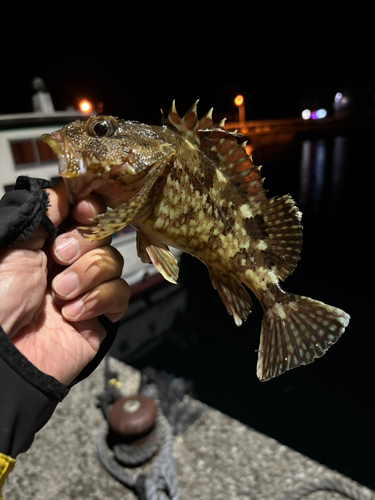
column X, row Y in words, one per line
column 138, row 61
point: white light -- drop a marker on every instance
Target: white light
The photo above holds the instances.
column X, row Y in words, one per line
column 321, row 113
column 306, row 114
column 338, row 96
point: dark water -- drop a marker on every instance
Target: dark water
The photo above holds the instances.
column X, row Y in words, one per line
column 324, row 410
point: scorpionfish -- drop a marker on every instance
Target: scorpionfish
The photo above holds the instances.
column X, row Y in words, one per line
column 190, row 184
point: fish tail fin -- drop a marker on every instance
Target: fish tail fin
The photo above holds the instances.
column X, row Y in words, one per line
column 295, row 331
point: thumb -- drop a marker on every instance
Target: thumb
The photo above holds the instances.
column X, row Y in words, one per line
column 59, row 203
column 57, row 211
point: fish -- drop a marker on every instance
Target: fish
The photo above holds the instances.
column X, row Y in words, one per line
column 189, row 183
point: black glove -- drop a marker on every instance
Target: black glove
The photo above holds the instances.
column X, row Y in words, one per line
column 23, row 210
column 28, row 396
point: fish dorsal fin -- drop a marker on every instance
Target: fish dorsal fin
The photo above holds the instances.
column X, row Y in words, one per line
column 231, row 158
column 278, row 218
column 189, row 125
column 222, row 147
column 280, row 233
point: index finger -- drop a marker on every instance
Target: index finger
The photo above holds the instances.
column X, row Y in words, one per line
column 85, row 210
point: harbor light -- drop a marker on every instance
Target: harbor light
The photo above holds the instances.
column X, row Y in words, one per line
column 306, row 114
column 341, row 101
column 338, row 96
column 85, row 106
column 314, row 115
column 321, row 113
column 240, row 102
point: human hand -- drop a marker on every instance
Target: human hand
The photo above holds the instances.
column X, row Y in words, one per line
column 53, row 326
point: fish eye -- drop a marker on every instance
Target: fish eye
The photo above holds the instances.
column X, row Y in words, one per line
column 101, row 127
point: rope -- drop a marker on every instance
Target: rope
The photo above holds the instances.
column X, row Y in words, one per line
column 161, row 481
column 122, row 475
column 133, row 456
column 349, row 491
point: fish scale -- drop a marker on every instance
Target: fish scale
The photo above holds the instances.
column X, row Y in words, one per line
column 191, row 184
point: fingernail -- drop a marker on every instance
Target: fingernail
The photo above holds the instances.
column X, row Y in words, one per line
column 66, row 249
column 65, row 284
column 93, row 212
column 73, row 310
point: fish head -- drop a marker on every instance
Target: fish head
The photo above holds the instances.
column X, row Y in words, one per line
column 106, row 155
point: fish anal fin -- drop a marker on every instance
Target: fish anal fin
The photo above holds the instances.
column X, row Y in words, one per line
column 151, row 250
column 233, row 295
column 295, row 332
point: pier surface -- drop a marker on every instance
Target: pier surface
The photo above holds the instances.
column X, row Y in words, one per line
column 217, row 457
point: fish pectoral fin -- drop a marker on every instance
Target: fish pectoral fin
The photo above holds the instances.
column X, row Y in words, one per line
column 295, row 332
column 109, row 223
column 233, row 295
column 116, row 219
column 159, row 254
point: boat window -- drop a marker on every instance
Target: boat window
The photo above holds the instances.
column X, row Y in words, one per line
column 31, row 152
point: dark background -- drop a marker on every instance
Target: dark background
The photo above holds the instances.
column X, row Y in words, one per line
column 135, row 61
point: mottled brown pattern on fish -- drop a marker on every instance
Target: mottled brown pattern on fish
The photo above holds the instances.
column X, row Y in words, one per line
column 190, row 213
column 190, row 184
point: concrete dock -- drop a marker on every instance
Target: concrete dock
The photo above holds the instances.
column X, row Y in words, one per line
column 217, row 457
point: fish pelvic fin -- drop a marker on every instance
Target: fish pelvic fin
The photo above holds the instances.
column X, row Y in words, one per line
column 295, row 331
column 150, row 250
column 233, row 295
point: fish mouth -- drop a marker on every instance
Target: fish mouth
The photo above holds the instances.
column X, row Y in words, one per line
column 71, row 163
column 120, row 182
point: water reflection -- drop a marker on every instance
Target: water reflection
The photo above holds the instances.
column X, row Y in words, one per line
column 321, row 171
column 339, row 157
column 313, row 165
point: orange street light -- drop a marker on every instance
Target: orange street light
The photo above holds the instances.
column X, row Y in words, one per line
column 85, row 106
column 240, row 102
